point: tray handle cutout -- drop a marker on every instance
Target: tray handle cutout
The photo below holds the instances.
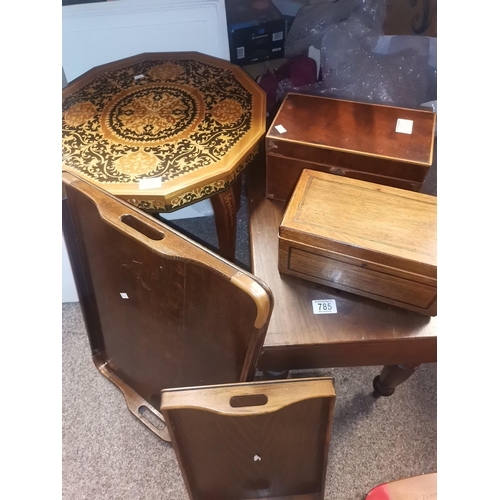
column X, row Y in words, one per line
column 152, row 419
column 141, row 227
column 248, row 400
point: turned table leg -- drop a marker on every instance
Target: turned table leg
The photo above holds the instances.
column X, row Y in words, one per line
column 282, row 374
column 390, row 377
column 226, row 206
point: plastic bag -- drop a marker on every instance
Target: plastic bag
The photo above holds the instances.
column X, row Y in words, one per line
column 312, row 22
column 357, row 62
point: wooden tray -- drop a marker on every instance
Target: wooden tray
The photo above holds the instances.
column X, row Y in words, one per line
column 160, row 310
column 252, row 440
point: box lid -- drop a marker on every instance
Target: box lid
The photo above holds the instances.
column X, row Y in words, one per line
column 354, row 127
column 380, row 224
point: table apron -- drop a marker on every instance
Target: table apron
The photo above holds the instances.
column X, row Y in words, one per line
column 312, row 356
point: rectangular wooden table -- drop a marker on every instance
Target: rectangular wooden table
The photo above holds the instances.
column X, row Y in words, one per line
column 363, row 332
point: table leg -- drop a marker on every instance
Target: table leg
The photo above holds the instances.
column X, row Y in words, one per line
column 390, row 377
column 226, row 206
column 282, row 374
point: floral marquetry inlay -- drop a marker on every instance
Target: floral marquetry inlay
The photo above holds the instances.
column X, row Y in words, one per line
column 228, row 111
column 161, row 115
column 136, row 163
column 79, row 113
column 152, row 114
column 166, row 71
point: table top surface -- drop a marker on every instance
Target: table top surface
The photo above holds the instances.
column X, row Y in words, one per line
column 162, row 130
column 293, row 323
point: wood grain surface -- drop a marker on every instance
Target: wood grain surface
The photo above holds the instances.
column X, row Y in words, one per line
column 364, row 219
column 161, row 311
column 283, row 173
column 252, row 440
column 362, row 332
column 347, row 138
column 354, row 276
column 363, row 128
column 378, row 241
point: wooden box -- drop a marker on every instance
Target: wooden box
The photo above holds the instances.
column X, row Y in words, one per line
column 372, row 142
column 371, row 240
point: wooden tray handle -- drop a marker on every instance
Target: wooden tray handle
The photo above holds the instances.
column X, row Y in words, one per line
column 117, row 214
column 138, row 406
column 132, row 225
column 140, row 228
column 255, row 398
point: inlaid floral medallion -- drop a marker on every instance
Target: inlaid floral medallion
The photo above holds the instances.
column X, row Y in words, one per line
column 170, row 117
column 152, row 115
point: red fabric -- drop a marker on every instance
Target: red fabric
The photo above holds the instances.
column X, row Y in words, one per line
column 269, row 84
column 301, row 70
column 379, row 493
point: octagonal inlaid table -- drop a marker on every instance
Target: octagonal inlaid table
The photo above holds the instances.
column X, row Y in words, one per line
column 165, row 130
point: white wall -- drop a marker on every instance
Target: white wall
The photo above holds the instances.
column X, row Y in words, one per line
column 69, row 293
column 98, row 33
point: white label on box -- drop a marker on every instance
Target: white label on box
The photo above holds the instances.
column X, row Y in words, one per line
column 326, row 306
column 240, row 53
column 123, row 295
column 280, row 129
column 137, row 77
column 404, row 126
column 277, row 36
column 150, row 183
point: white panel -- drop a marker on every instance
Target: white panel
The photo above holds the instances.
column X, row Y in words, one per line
column 69, row 293
column 98, row 33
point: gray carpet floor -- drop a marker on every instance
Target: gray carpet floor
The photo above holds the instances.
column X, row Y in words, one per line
column 108, row 454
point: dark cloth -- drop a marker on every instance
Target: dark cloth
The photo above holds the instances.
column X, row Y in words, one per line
column 300, row 70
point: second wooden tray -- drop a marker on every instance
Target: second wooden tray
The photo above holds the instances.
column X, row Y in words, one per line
column 253, row 440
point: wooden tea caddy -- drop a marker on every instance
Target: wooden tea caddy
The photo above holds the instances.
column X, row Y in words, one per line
column 364, row 238
column 382, row 144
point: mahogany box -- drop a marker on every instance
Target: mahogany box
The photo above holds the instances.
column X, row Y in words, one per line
column 372, row 142
column 364, row 238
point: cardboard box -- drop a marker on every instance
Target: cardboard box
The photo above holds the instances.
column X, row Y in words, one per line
column 255, row 34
